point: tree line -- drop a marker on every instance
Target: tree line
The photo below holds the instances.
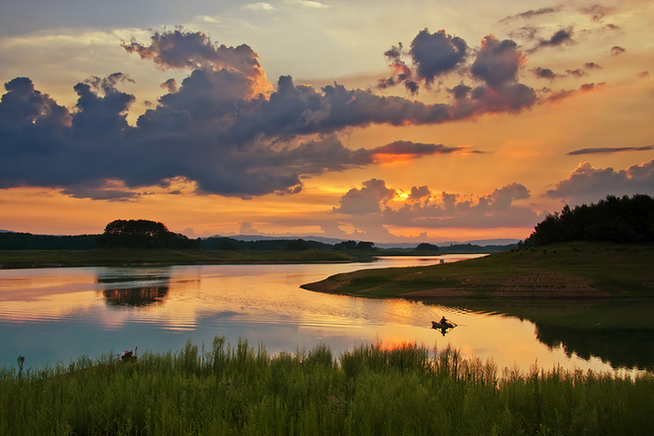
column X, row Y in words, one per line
column 614, row 219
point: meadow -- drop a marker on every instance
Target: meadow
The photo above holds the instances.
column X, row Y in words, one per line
column 370, row 390
column 570, row 270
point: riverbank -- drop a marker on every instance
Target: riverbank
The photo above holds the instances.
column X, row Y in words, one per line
column 578, row 271
column 137, row 257
column 371, row 390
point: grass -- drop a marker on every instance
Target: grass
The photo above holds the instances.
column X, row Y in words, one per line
column 69, row 258
column 573, row 270
column 370, row 390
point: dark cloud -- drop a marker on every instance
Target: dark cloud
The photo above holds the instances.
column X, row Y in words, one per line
column 418, row 193
column 431, row 55
column 437, row 53
column 225, row 129
column 576, row 73
column 592, row 66
column 545, row 73
column 559, row 38
column 606, row 150
column 533, row 13
column 616, row 50
column 497, row 62
column 586, row 184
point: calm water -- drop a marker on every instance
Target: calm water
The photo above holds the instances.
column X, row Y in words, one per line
column 55, row 315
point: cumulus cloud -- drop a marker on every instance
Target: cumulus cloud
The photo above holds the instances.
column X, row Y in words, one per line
column 224, row 127
column 369, row 209
column 369, row 199
column 431, row 54
column 606, row 150
column 587, row 184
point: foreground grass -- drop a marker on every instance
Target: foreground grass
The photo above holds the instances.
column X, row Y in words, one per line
column 102, row 257
column 572, row 270
column 367, row 391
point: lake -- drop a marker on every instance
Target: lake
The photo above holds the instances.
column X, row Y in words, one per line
column 57, row 314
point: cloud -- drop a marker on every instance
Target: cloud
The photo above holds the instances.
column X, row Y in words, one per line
column 497, row 62
column 226, row 130
column 432, row 55
column 592, row 66
column 369, row 199
column 596, row 11
column 606, row 150
column 309, row 4
column 559, row 38
column 533, row 13
column 545, row 73
column 369, row 209
column 260, row 7
column 555, row 97
column 616, row 50
column 587, row 184
column 247, row 229
column 179, row 49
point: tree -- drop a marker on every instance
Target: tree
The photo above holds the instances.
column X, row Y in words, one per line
column 613, row 219
column 142, row 234
column 424, row 246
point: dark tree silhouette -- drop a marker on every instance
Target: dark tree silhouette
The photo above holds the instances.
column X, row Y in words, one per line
column 615, row 219
column 142, row 234
column 427, row 247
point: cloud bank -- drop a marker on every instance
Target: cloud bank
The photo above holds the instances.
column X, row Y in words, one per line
column 588, row 184
column 227, row 129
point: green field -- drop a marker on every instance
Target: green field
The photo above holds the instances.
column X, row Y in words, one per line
column 580, row 270
column 370, row 390
column 135, row 257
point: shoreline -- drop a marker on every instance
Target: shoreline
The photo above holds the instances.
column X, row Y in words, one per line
column 573, row 271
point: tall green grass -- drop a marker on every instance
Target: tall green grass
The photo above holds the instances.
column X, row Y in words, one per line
column 370, row 390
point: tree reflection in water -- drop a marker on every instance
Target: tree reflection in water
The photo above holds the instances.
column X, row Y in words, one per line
column 130, row 287
column 621, row 348
column 135, row 297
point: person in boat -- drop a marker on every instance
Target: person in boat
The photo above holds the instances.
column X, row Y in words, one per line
column 444, row 322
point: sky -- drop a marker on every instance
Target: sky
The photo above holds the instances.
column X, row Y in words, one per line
column 385, row 121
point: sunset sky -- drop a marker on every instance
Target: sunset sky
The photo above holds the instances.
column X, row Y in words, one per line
column 375, row 120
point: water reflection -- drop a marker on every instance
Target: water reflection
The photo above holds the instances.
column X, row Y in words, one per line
column 621, row 348
column 58, row 314
column 132, row 287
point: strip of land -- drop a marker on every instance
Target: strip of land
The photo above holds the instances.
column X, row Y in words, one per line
column 581, row 270
column 141, row 257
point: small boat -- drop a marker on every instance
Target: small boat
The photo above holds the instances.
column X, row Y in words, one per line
column 445, row 325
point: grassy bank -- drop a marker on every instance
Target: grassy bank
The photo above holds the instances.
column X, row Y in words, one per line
column 571, row 271
column 117, row 256
column 370, row 390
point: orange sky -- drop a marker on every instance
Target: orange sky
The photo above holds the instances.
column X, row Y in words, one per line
column 440, row 138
